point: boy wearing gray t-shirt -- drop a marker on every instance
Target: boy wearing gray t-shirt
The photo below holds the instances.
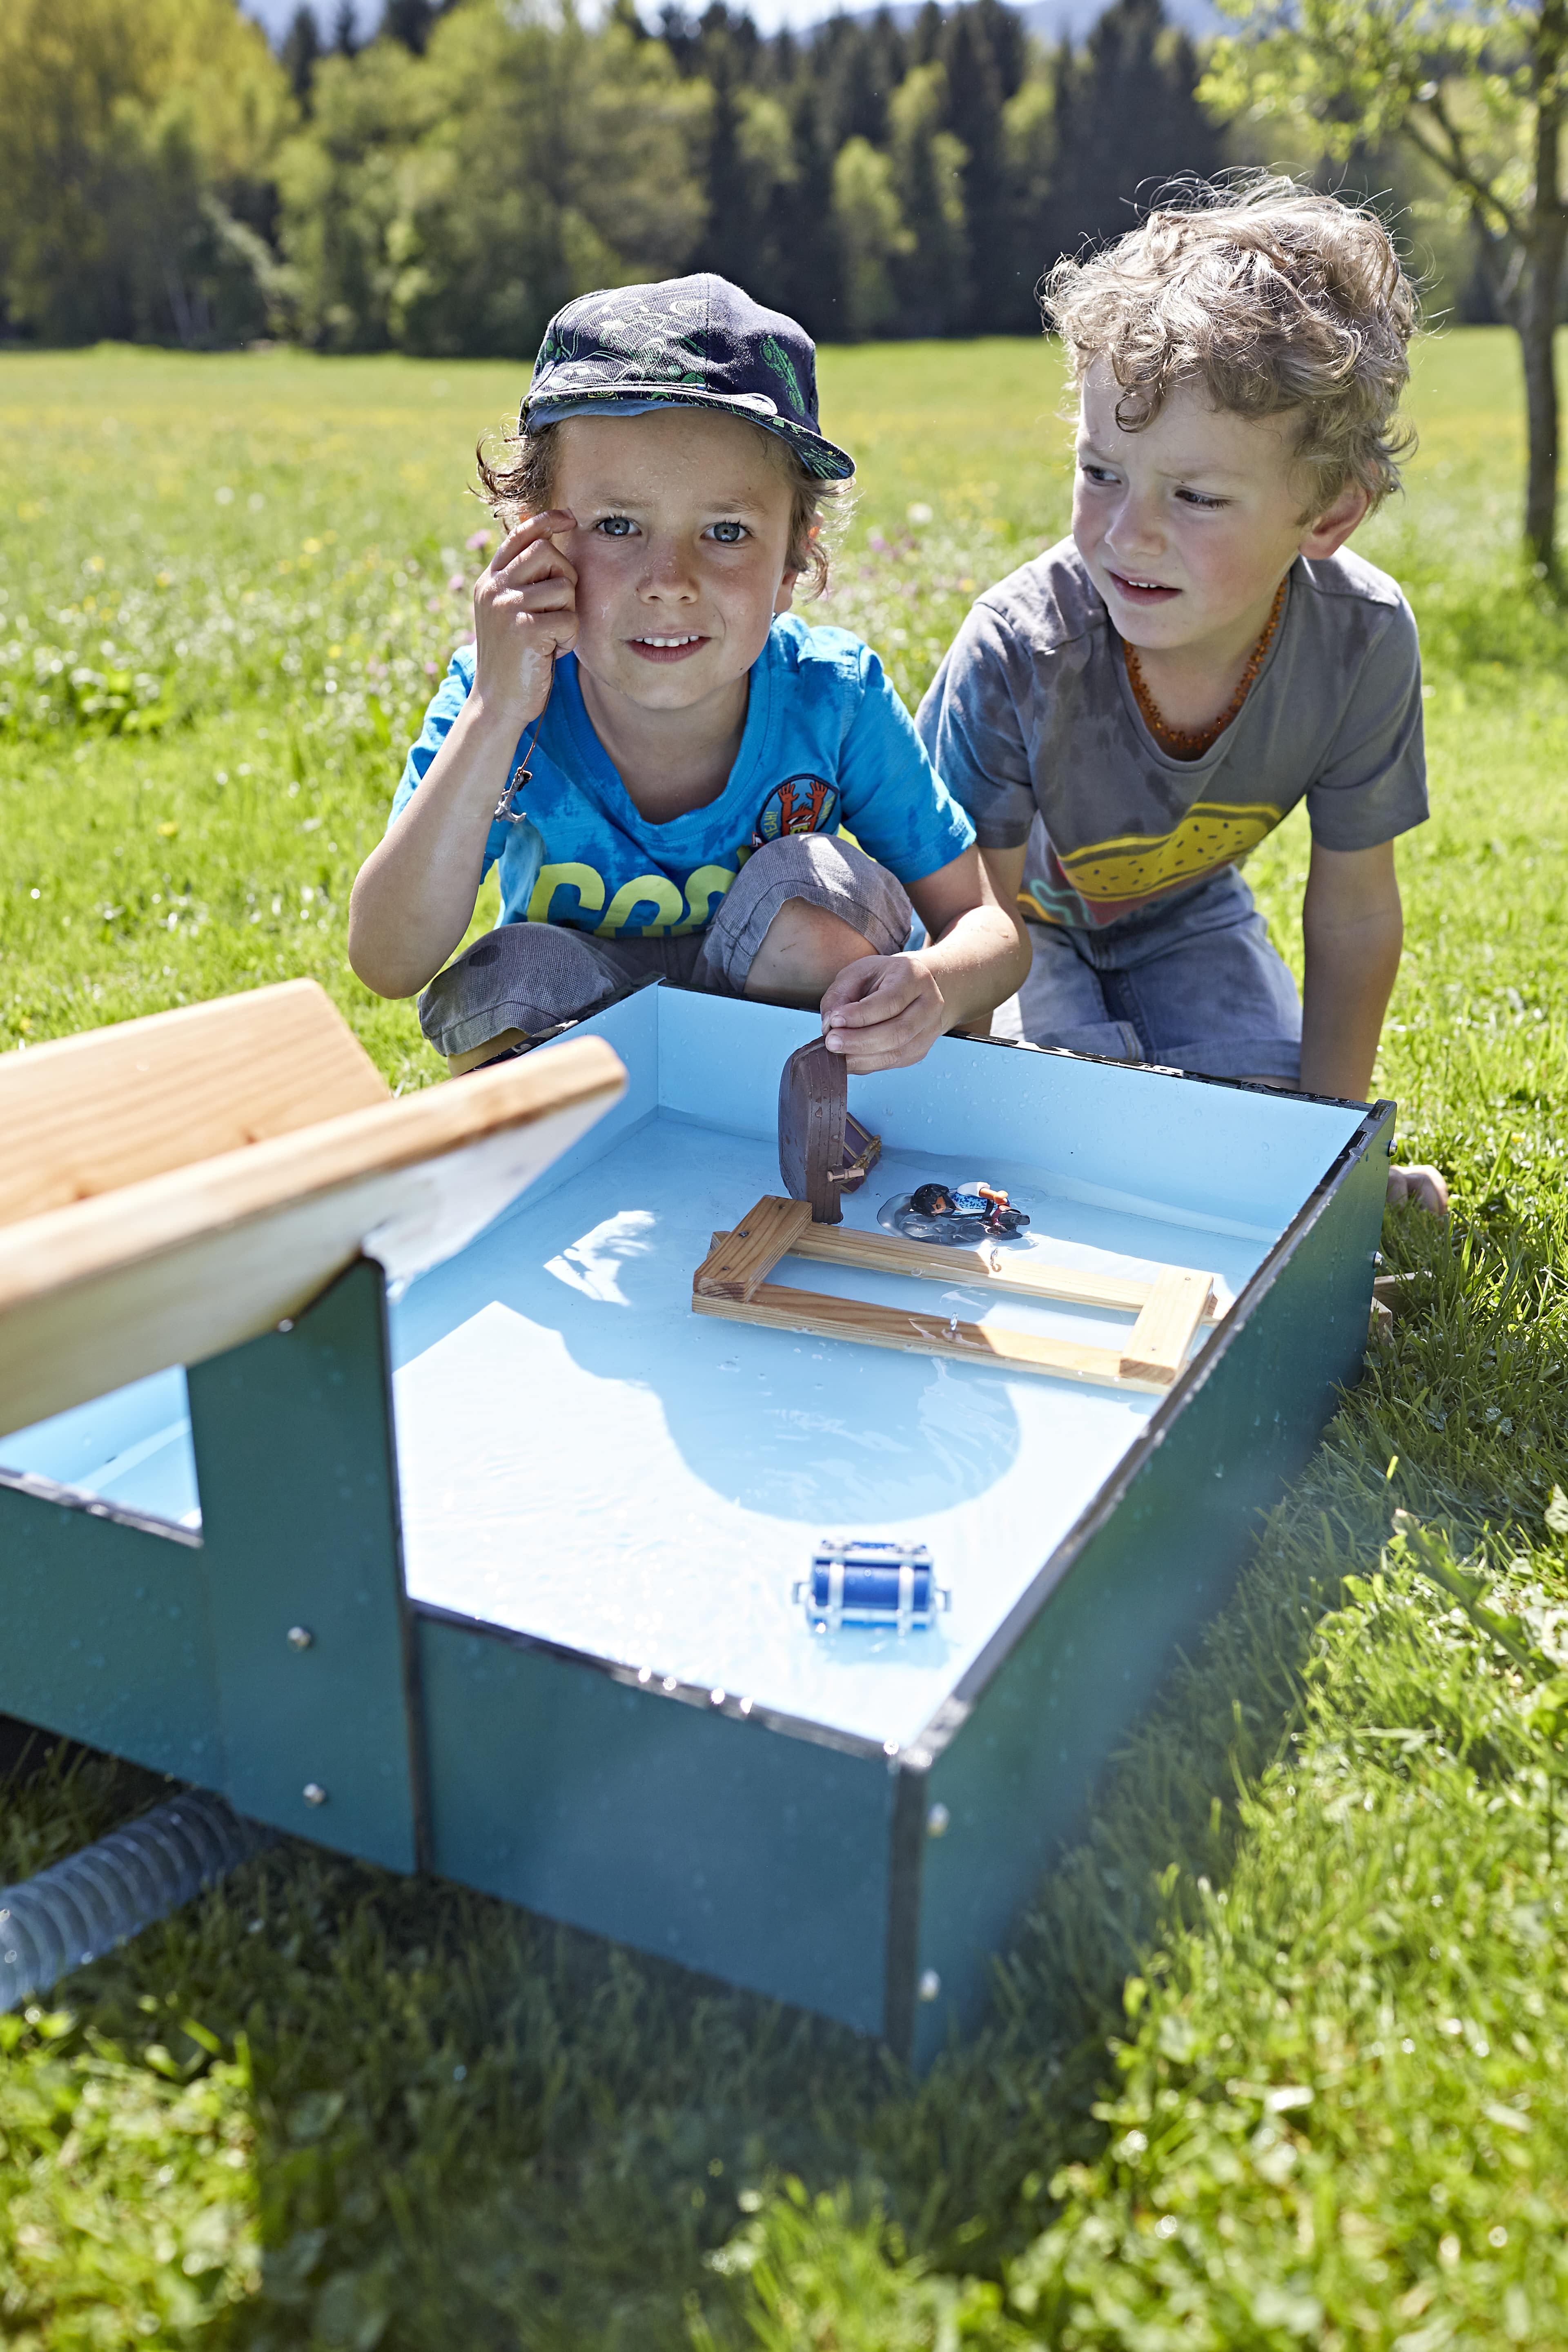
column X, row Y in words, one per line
column 1127, row 717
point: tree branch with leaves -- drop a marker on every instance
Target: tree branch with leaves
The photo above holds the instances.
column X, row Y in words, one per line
column 1481, row 92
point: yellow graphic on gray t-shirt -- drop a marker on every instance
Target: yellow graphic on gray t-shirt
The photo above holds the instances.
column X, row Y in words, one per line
column 1110, row 878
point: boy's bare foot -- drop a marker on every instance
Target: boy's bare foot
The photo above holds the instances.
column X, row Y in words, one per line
column 1422, row 1186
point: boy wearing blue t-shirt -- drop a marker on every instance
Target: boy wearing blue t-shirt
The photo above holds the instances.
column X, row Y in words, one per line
column 658, row 756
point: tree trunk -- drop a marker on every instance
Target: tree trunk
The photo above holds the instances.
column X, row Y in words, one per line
column 1535, row 335
column 1538, row 309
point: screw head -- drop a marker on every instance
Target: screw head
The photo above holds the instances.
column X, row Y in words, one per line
column 929, row 1985
column 300, row 1637
column 286, row 1323
column 314, row 1793
column 938, row 1821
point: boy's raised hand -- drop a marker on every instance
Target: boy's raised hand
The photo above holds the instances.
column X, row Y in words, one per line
column 882, row 1012
column 525, row 613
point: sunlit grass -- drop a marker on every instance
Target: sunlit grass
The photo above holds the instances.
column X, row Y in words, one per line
column 326, row 2108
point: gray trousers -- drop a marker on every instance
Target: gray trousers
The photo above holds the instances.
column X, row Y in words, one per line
column 533, row 976
column 1190, row 981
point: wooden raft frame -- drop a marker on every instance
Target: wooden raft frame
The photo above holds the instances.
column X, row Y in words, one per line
column 732, row 1283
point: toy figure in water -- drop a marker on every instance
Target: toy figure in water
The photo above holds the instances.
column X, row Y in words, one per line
column 935, row 1213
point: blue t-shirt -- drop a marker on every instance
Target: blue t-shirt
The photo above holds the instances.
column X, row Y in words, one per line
column 827, row 743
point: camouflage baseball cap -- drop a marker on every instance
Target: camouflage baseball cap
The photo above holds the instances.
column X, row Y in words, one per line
column 696, row 343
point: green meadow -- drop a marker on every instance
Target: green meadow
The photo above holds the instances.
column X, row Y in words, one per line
column 1278, row 2057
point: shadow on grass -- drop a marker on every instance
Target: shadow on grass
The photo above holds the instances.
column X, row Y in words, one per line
column 462, row 2124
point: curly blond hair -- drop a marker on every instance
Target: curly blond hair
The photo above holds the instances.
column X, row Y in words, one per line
column 1271, row 297
column 523, row 482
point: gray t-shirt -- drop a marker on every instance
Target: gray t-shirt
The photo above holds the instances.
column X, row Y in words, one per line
column 1032, row 725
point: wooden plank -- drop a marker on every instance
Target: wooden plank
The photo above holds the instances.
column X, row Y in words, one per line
column 813, row 1099
column 739, row 1261
column 86, row 1115
column 1158, row 1341
column 194, row 1261
column 1026, row 1276
column 779, row 1308
column 890, row 1254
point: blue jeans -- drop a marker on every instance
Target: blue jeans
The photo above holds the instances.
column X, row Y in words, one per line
column 1191, row 983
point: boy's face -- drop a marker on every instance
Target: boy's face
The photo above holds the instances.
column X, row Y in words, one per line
column 681, row 544
column 1188, row 526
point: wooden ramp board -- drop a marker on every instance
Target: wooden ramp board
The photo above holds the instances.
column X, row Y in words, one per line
column 182, row 1264
column 90, row 1114
column 1169, row 1305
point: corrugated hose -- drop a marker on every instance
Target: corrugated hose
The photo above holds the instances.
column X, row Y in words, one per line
column 80, row 1908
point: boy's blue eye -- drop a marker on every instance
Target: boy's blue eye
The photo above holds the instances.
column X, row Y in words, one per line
column 616, row 526
column 1201, row 499
column 729, row 534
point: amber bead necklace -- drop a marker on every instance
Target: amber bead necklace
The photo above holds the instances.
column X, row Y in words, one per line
column 1191, row 743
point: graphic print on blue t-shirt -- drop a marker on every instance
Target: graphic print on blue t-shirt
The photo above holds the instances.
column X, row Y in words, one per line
column 800, row 804
column 826, row 743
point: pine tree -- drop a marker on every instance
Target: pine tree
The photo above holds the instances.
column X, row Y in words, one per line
column 811, row 287
column 932, row 279
column 862, row 97
column 1127, row 119
column 409, row 21
column 1008, row 42
column 925, row 38
column 831, row 63
column 727, row 242
column 681, row 38
column 888, row 49
column 302, row 46
column 975, row 96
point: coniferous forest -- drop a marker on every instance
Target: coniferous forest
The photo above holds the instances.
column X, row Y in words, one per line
column 441, row 188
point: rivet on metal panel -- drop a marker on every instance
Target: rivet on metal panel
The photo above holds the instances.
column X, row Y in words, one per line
column 300, row 1637
column 929, row 1984
column 286, row 1323
column 889, row 1747
column 717, row 1697
column 937, row 1822
column 314, row 1793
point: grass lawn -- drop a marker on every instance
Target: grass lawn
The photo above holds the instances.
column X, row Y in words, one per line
column 1280, row 2057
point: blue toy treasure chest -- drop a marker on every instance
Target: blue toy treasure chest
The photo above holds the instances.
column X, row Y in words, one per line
column 382, row 1476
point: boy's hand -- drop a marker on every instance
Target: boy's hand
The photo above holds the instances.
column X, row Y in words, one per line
column 1419, row 1186
column 525, row 613
column 883, row 1013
